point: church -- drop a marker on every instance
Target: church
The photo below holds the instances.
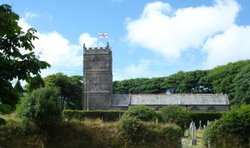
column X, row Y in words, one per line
column 97, row 89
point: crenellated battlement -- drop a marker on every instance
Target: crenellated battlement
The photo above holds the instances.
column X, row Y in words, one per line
column 96, row 50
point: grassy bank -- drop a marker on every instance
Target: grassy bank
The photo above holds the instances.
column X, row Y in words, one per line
column 72, row 133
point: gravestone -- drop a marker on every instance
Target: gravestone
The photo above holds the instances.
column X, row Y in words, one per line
column 200, row 127
column 156, row 121
column 193, row 140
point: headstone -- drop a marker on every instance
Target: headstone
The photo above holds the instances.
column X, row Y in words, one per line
column 208, row 123
column 193, row 138
column 204, row 127
column 156, row 121
column 209, row 143
column 101, row 120
column 190, row 128
column 200, row 127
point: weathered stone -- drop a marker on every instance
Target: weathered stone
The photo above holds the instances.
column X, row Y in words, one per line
column 193, row 140
column 97, row 71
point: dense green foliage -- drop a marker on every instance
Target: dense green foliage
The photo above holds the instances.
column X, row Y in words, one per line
column 42, row 107
column 90, row 133
column 140, row 112
column 140, row 85
column 232, row 79
column 5, row 109
column 34, row 83
column 137, row 129
column 14, row 63
column 175, row 114
column 105, row 115
column 114, row 115
column 70, row 89
column 231, row 130
column 14, row 134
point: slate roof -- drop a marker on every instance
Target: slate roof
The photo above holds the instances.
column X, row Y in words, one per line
column 167, row 99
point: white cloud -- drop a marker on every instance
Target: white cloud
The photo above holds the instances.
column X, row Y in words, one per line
column 88, row 40
column 23, row 23
column 170, row 32
column 134, row 71
column 232, row 45
column 57, row 50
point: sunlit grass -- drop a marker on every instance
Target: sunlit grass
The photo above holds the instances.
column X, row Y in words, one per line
column 187, row 138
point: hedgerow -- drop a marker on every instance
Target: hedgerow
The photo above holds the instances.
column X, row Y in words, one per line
column 231, row 130
column 105, row 115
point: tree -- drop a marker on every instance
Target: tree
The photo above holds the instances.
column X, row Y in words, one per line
column 70, row 89
column 242, row 87
column 231, row 130
column 34, row 83
column 175, row 114
column 14, row 63
column 18, row 88
column 42, row 107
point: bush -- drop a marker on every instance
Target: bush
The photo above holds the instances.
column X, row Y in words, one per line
column 232, row 130
column 140, row 133
column 143, row 113
column 42, row 107
column 133, row 129
column 148, row 134
column 106, row 115
column 171, row 132
column 175, row 114
column 5, row 109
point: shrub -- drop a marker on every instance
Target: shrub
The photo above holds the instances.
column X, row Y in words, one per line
column 141, row 133
column 171, row 132
column 232, row 130
column 5, row 109
column 175, row 114
column 42, row 107
column 149, row 134
column 143, row 113
column 133, row 129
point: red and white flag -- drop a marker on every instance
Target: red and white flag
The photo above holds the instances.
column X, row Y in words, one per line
column 103, row 35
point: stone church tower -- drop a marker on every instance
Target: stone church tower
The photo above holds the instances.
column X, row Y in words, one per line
column 97, row 78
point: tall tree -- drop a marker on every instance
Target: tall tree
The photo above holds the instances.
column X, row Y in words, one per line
column 70, row 89
column 15, row 64
column 34, row 83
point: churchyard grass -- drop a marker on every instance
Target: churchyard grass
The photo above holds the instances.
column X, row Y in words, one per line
column 186, row 140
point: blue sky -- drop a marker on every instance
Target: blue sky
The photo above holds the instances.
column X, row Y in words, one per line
column 148, row 38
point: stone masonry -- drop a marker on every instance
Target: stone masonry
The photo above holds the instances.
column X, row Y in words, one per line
column 97, row 72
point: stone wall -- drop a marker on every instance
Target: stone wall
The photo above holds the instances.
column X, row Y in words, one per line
column 97, row 71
